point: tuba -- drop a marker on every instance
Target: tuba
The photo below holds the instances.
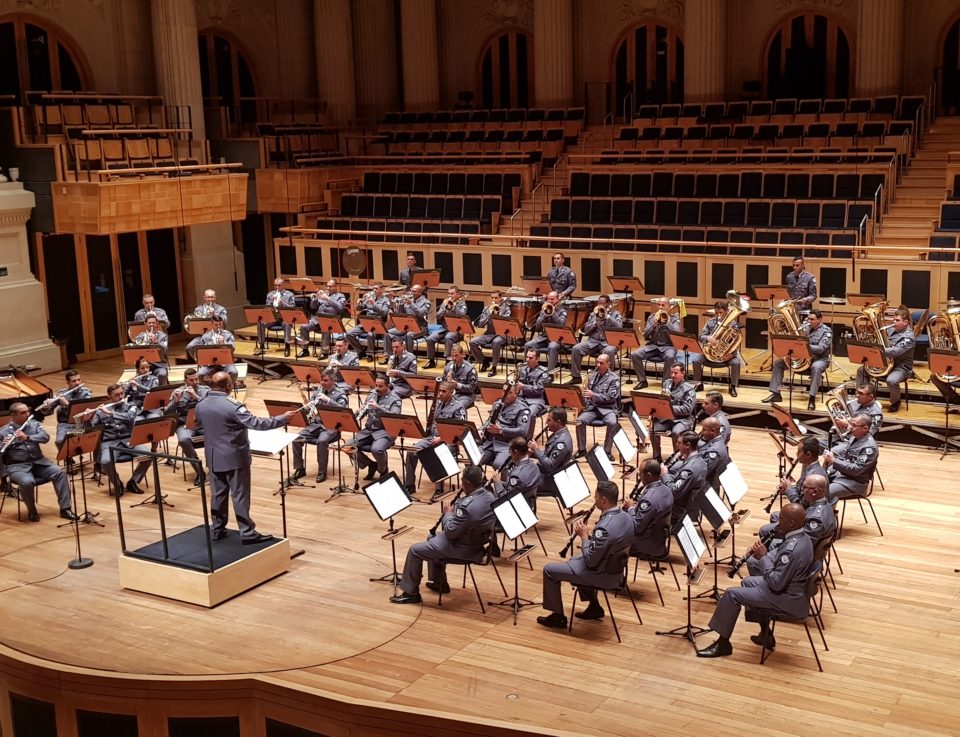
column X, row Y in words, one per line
column 836, row 404
column 726, row 339
column 784, row 320
column 944, row 331
column 868, row 327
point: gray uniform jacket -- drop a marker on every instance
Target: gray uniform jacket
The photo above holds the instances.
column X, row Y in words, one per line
column 378, row 307
column 332, row 305
column 595, row 330
column 213, row 337
column 524, row 476
column 683, row 400
column 562, row 281
column 721, row 417
column 406, row 365
column 181, row 402
column 117, row 426
column 687, row 479
column 873, row 410
column 856, row 459
column 389, row 403
column 63, row 413
column 716, row 458
column 350, row 359
column 465, row 525
column 338, row 396
column 484, row 320
column 651, row 519
column 141, row 315
column 657, row 334
column 205, row 311
column 821, row 342
column 452, row 410
column 900, row 347
column 406, row 275
column 802, row 288
column 786, row 571
column 278, row 298
column 225, row 423
column 159, row 338
column 533, row 381
column 459, row 310
column 514, row 420
column 23, row 452
column 605, row 399
column 612, row 533
column 465, row 376
column 793, row 492
column 558, row 318
column 554, row 456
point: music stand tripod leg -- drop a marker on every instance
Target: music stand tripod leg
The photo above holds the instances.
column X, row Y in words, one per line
column 393, row 577
column 687, row 632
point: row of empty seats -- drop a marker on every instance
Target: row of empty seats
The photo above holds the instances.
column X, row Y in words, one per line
column 944, row 240
column 730, row 185
column 63, row 118
column 837, row 134
column 436, row 207
column 443, row 183
column 400, row 231
column 456, row 118
column 92, row 154
column 675, row 211
column 290, row 148
column 420, row 158
column 493, row 135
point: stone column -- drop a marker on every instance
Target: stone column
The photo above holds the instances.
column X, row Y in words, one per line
column 177, row 57
column 23, row 340
column 374, row 35
column 134, row 49
column 879, row 48
column 333, row 37
column 421, row 65
column 553, row 53
column 294, row 51
column 704, row 41
column 210, row 260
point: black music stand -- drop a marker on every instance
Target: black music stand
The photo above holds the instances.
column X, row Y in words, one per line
column 868, row 355
column 601, row 466
column 770, row 293
column 358, row 377
column 717, row 514
column 291, row 316
column 378, row 327
column 459, row 325
column 563, row 335
column 640, row 432
column 629, row 285
column 269, row 443
column 402, row 427
column 438, row 462
column 625, row 340
column 152, row 432
column 264, row 317
column 790, row 348
column 80, row 445
column 388, row 499
column 282, row 406
column 344, row 420
column 507, row 328
column 568, row 397
column 537, row 285
column 684, row 343
column 693, row 548
column 515, row 517
column 945, row 363
column 654, row 407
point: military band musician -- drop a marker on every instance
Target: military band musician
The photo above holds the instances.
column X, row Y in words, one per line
column 498, row 307
column 603, row 317
column 453, row 306
column 328, row 394
column 656, row 331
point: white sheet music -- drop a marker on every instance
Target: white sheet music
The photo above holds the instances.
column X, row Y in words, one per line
column 387, row 496
column 638, row 425
column 269, row 442
column 624, row 446
column 571, row 485
column 600, row 455
column 734, row 485
column 721, row 510
column 450, row 465
column 514, row 514
column 473, row 450
column 700, row 547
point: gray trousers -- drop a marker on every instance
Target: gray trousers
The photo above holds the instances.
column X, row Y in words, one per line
column 842, row 487
column 356, row 333
column 449, row 337
column 29, row 475
column 699, row 361
column 892, row 379
column 542, row 343
column 262, row 328
column 376, row 442
column 648, row 352
column 108, row 468
column 817, row 367
column 948, row 390
column 316, row 436
column 435, row 551
column 494, row 342
column 576, row 572
column 590, row 416
column 589, row 348
column 752, row 592
column 235, row 484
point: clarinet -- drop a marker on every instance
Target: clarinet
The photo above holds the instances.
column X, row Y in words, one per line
column 573, row 535
column 778, row 493
column 737, row 564
column 433, row 530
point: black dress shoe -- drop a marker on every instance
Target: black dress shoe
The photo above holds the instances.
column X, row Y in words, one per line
column 298, row 474
column 221, row 535
column 361, row 354
column 439, row 588
column 431, row 364
column 894, row 406
column 772, row 397
column 485, row 364
column 321, row 477
column 406, row 599
column 69, row 514
column 33, row 517
column 492, row 372
column 733, row 391
column 593, row 611
column 580, row 454
column 199, row 479
column 641, row 385
column 812, row 404
column 718, row 649
column 303, row 354
column 554, row 621
column 698, row 388
column 494, row 549
column 764, row 639
column 572, row 381
column 371, row 471
column 132, row 487
column 257, row 539
column 286, row 350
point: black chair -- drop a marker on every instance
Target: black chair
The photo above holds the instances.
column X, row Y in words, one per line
column 485, row 559
column 813, row 587
column 620, row 557
column 655, row 561
column 860, row 500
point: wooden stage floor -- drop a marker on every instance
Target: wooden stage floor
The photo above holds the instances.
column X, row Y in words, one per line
column 323, row 627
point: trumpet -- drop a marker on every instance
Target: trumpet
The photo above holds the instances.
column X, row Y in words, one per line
column 548, row 309
column 673, row 304
column 218, row 338
column 600, row 312
column 449, row 303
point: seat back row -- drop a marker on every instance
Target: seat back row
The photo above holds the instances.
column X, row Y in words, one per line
column 435, row 207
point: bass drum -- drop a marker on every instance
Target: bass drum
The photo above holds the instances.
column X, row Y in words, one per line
column 578, row 310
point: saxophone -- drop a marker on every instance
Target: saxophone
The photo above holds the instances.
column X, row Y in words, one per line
column 944, row 331
column 868, row 327
column 726, row 339
column 784, row 320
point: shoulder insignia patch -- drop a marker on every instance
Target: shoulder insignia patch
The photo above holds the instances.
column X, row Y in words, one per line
column 784, row 559
column 686, row 473
column 814, row 524
column 868, row 451
column 460, row 512
column 514, row 481
column 599, row 533
column 560, row 446
column 644, row 505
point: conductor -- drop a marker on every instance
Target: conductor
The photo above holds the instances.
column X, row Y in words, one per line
column 225, row 422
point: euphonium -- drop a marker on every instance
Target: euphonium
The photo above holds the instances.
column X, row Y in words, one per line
column 726, row 339
column 944, row 331
column 836, row 405
column 784, row 320
column 869, row 328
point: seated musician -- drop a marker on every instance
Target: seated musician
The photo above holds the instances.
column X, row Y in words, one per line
column 851, row 463
column 900, row 347
column 373, row 304
column 731, row 361
column 408, row 273
column 373, row 438
column 510, row 418
column 531, row 379
column 713, row 451
column 779, row 588
column 401, row 364
column 154, row 336
column 865, row 402
column 601, row 403
column 447, row 408
column 414, row 303
column 594, row 342
column 820, row 338
column 520, row 472
column 276, row 298
column 599, row 565
column 25, row 464
column 650, row 505
column 462, row 373
column 75, row 391
column 328, row 394
column 550, row 314
column 562, row 279
column 801, row 285
column 819, row 518
column 206, row 310
column 217, row 336
column 330, row 303
column 686, row 475
column 453, row 306
column 683, row 402
column 498, row 307
column 117, row 418
column 142, row 382
column 808, row 457
column 713, row 407
column 467, row 526
column 150, row 309
column 556, row 453
column 656, row 331
column 182, row 400
column 342, row 356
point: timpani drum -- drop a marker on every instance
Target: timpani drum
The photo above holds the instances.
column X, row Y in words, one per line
column 578, row 310
column 525, row 309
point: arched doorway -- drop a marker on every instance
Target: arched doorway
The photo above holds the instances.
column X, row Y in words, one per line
column 648, row 66
column 506, row 72
column 807, row 56
column 37, row 56
column 949, row 76
column 226, row 74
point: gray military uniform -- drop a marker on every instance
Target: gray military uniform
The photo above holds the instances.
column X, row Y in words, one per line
column 595, row 340
column 465, row 530
column 551, row 458
column 688, row 480
column 514, row 422
column 853, row 466
column 658, row 347
column 117, row 428
column 900, row 347
column 449, row 337
column 562, row 280
column 699, row 360
column 779, row 588
column 725, row 430
column 651, row 519
column 26, row 465
column 333, row 305
column 451, row 410
column 465, row 377
column 819, row 522
column 523, row 476
column 794, row 491
column 159, row 339
column 600, row 564
column 316, row 434
column 600, row 408
column 406, row 365
column 541, row 342
column 64, row 425
column 180, row 405
column 142, row 314
column 802, row 288
column 225, row 422
column 716, row 458
column 377, row 308
column 349, row 360
column 373, row 437
column 821, row 344
column 533, row 381
column 683, row 401
column 224, row 338
column 276, row 299
column 489, row 339
column 419, row 308
column 216, row 310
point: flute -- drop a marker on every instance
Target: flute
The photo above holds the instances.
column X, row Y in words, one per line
column 9, row 441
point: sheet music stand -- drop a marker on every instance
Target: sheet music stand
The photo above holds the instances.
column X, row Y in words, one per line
column 424, row 387
column 136, row 327
column 151, row 432
column 300, row 284
column 507, row 328
column 537, row 285
column 358, row 377
column 868, row 355
column 693, row 548
column 568, row 397
column 654, row 407
column 717, row 514
column 625, row 340
column 865, row 300
column 601, row 466
column 454, row 432
column 377, row 327
column 515, row 517
column 426, row 278
column 328, row 324
column 305, row 374
column 563, row 335
column 388, row 499
column 156, row 399
column 790, row 348
column 684, row 343
column 402, row 427
column 438, row 462
column 572, row 488
column 344, row 420
column 459, row 325
column 291, row 316
column 629, row 285
column 199, row 325
column 299, row 420
column 132, row 354
column 945, row 363
column 735, row 489
column 80, row 445
column 404, row 324
column 214, row 355
column 269, row 443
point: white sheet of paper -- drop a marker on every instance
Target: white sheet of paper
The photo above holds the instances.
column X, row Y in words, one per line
column 388, row 497
column 687, row 546
column 638, row 425
column 699, row 545
column 473, row 450
column 734, row 485
column 717, row 503
column 600, row 454
column 526, row 515
column 450, row 465
column 269, row 442
column 510, row 521
column 572, row 485
column 624, row 446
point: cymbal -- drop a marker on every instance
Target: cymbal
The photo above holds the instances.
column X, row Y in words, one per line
column 398, row 288
column 833, row 300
